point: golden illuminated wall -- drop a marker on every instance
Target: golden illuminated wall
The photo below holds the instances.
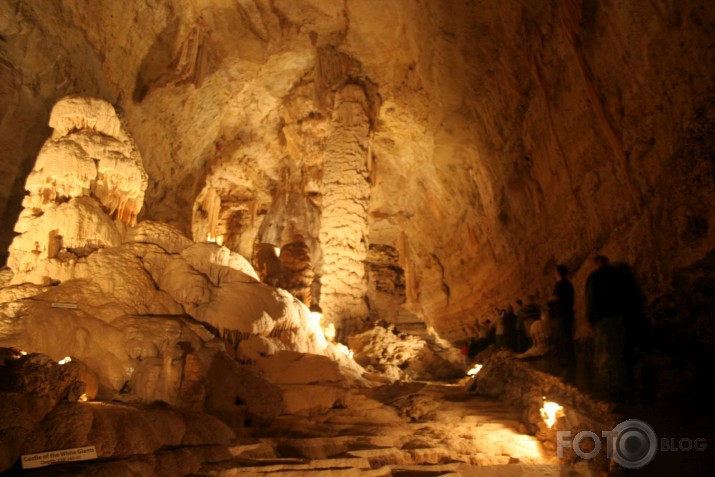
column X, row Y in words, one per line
column 504, row 137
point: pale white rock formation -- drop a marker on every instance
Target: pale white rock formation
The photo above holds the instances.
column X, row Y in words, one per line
column 219, row 264
column 89, row 154
column 87, row 184
column 64, row 169
column 122, row 310
column 186, row 285
column 52, row 242
column 113, row 282
column 18, row 292
column 82, row 112
column 165, row 236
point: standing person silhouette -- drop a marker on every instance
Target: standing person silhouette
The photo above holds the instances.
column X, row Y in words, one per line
column 563, row 302
column 606, row 310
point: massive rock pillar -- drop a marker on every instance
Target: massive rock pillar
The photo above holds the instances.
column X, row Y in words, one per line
column 343, row 230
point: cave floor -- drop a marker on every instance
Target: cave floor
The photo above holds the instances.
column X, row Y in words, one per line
column 408, row 429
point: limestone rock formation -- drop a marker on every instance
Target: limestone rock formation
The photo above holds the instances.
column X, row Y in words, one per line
column 343, row 232
column 145, row 314
column 400, row 356
column 88, row 183
column 43, row 407
column 124, row 311
column 297, row 270
column 439, row 158
column 494, row 140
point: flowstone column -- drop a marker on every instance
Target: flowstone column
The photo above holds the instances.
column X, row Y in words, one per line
column 343, row 230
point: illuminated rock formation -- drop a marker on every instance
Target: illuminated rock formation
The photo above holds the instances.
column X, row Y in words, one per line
column 87, row 184
column 343, row 227
column 297, row 270
column 439, row 158
column 508, row 137
column 401, row 356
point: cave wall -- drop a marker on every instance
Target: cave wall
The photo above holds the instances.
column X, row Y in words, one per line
column 503, row 137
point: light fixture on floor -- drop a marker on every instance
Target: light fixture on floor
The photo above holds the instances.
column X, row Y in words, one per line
column 475, row 370
column 550, row 412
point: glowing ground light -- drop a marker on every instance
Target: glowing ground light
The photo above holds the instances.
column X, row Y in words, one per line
column 83, row 398
column 346, row 350
column 66, row 360
column 24, row 353
column 329, row 332
column 475, row 369
column 218, row 240
column 550, row 412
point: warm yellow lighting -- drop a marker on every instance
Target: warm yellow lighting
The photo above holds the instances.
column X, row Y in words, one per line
column 24, row 353
column 329, row 332
column 66, row 360
column 550, row 412
column 277, row 250
column 83, row 398
column 348, row 352
column 218, row 239
column 475, row 369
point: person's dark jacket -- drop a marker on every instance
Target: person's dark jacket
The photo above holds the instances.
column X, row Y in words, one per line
column 605, row 294
column 563, row 305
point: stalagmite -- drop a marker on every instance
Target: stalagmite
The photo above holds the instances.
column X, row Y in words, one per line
column 343, row 229
column 86, row 175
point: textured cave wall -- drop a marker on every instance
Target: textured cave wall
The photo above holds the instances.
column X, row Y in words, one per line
column 510, row 135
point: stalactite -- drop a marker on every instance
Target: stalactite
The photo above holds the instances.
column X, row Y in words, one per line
column 189, row 65
column 207, row 213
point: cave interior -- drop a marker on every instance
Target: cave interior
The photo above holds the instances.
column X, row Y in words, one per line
column 245, row 237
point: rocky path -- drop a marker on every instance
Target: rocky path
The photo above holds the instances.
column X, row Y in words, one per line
column 406, row 429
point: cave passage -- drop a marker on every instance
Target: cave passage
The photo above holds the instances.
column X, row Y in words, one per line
column 321, row 238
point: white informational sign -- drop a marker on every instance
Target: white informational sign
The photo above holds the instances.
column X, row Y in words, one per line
column 32, row 461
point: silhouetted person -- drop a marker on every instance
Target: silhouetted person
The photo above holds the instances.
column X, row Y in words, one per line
column 510, row 328
column 530, row 313
column 464, row 351
column 499, row 328
column 636, row 325
column 606, row 310
column 521, row 339
column 563, row 302
column 473, row 348
column 483, row 331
